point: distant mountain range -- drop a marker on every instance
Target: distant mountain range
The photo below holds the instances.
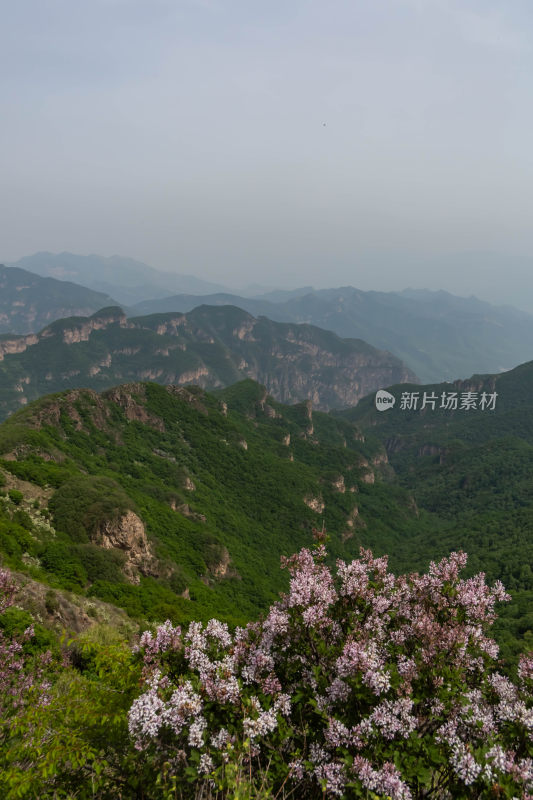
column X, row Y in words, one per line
column 438, row 335
column 210, row 346
column 29, row 302
column 125, row 279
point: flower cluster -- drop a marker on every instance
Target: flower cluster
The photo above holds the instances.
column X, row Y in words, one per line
column 166, row 637
column 355, row 681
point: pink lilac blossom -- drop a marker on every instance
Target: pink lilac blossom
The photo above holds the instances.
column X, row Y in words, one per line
column 385, row 781
column 220, row 739
column 311, row 586
column 21, row 680
column 333, row 777
column 349, row 668
column 366, row 659
column 393, row 718
column 167, row 638
column 464, row 764
column 206, row 765
column 265, row 723
column 525, row 667
column 8, row 590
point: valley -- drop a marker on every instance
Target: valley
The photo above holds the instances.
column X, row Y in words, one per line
column 163, row 467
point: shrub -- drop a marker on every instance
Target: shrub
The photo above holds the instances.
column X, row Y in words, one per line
column 59, row 558
column 81, row 504
column 357, row 683
column 66, row 736
column 15, row 496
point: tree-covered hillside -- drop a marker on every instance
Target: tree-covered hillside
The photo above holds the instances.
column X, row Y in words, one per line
column 212, row 347
column 174, row 502
column 171, row 503
column 470, row 467
column 223, row 486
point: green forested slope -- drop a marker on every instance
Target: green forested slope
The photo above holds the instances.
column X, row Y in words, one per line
column 222, row 484
column 473, row 471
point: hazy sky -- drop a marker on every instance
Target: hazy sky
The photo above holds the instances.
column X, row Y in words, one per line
column 370, row 142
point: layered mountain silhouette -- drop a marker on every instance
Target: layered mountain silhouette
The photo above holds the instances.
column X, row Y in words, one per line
column 127, row 280
column 210, row 346
column 28, row 302
column 438, row 335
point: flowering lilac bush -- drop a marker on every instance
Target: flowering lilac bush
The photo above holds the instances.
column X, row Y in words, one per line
column 21, row 679
column 356, row 683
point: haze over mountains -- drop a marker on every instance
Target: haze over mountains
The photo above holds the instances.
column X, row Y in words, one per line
column 127, row 280
column 28, row 302
column 439, row 336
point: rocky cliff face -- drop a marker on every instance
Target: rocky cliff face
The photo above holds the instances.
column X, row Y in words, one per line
column 297, row 362
column 71, row 331
column 211, row 347
column 127, row 534
column 130, row 398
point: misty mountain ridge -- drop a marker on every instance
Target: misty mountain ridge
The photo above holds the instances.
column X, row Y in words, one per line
column 210, row 346
column 439, row 336
column 126, row 279
column 29, row 302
